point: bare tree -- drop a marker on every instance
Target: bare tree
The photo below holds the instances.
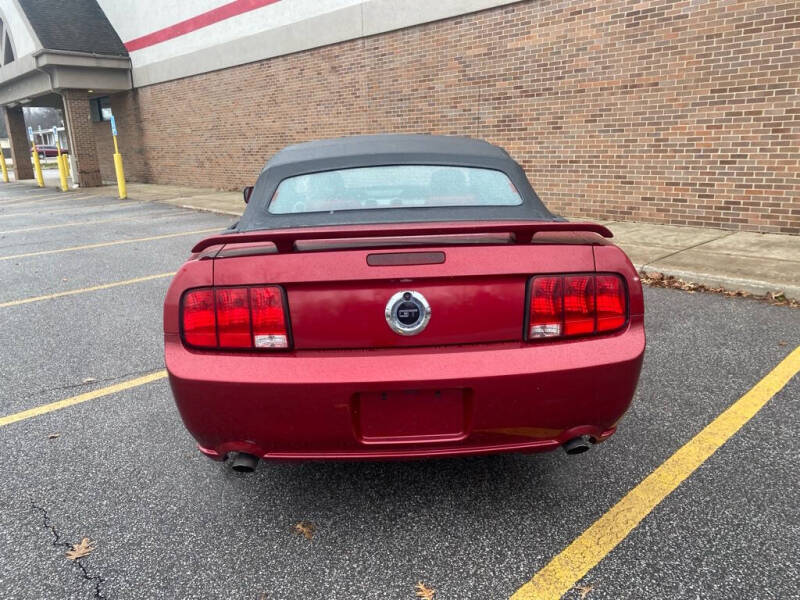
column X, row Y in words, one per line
column 42, row 117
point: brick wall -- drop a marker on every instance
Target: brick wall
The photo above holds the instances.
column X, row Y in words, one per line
column 105, row 151
column 82, row 139
column 130, row 139
column 670, row 112
column 18, row 140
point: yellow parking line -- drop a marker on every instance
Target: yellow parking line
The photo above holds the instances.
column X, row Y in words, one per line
column 93, row 288
column 55, row 198
column 32, row 187
column 106, row 244
column 36, row 191
column 94, row 222
column 45, row 193
column 22, row 200
column 26, row 188
column 98, row 393
column 120, row 206
column 567, row 568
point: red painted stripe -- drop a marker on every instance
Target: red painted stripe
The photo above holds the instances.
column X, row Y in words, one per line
column 226, row 11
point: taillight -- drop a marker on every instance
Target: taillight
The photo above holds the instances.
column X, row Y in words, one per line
column 234, row 317
column 579, row 311
column 547, row 307
column 612, row 303
column 199, row 320
column 575, row 305
column 269, row 323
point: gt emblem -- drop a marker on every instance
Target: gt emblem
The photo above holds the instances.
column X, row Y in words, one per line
column 408, row 312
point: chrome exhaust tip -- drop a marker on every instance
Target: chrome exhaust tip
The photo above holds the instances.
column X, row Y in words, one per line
column 577, row 445
column 244, row 463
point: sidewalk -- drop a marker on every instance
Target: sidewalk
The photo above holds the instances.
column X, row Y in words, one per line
column 758, row 263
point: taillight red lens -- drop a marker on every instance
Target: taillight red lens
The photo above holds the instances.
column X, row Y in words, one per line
column 571, row 305
column 199, row 319
column 547, row 307
column 269, row 325
column 235, row 317
column 612, row 309
column 578, row 304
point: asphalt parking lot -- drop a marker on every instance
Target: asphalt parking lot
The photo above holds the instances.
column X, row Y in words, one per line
column 121, row 470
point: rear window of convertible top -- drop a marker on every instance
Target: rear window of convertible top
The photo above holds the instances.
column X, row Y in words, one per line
column 399, row 186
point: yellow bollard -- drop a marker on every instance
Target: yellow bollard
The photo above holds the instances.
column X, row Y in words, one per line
column 123, row 192
column 3, row 166
column 67, row 167
column 62, row 173
column 37, row 167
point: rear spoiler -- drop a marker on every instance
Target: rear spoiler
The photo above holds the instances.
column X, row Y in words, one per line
column 284, row 239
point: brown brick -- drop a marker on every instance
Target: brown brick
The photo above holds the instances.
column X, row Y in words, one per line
column 614, row 113
column 20, row 146
column 82, row 142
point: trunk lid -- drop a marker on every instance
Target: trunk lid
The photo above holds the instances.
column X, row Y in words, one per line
column 338, row 294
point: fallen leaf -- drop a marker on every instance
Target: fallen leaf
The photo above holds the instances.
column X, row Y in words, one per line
column 84, row 548
column 669, row 281
column 89, row 380
column 782, row 343
column 424, row 592
column 584, row 590
column 306, row 529
column 53, row 436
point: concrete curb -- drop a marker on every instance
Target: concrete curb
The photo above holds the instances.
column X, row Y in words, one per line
column 733, row 284
column 204, row 209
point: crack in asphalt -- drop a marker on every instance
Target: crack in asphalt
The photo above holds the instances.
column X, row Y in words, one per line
column 96, row 579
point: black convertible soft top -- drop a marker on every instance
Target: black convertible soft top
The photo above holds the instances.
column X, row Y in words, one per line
column 384, row 150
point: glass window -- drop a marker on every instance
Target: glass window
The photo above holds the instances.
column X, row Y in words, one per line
column 8, row 54
column 400, row 186
column 100, row 109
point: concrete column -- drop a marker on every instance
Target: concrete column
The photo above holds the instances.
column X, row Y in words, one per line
column 20, row 146
column 82, row 145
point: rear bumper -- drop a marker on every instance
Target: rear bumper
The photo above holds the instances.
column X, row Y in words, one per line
column 306, row 405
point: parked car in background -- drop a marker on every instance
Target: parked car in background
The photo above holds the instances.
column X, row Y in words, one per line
column 49, row 151
column 401, row 296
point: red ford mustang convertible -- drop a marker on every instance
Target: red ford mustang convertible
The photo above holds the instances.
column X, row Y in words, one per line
column 401, row 296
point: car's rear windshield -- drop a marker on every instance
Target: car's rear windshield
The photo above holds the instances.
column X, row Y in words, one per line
column 398, row 186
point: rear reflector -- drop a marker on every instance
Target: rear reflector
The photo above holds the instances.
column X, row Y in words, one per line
column 574, row 305
column 234, row 317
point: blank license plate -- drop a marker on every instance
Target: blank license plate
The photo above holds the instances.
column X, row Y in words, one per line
column 411, row 415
